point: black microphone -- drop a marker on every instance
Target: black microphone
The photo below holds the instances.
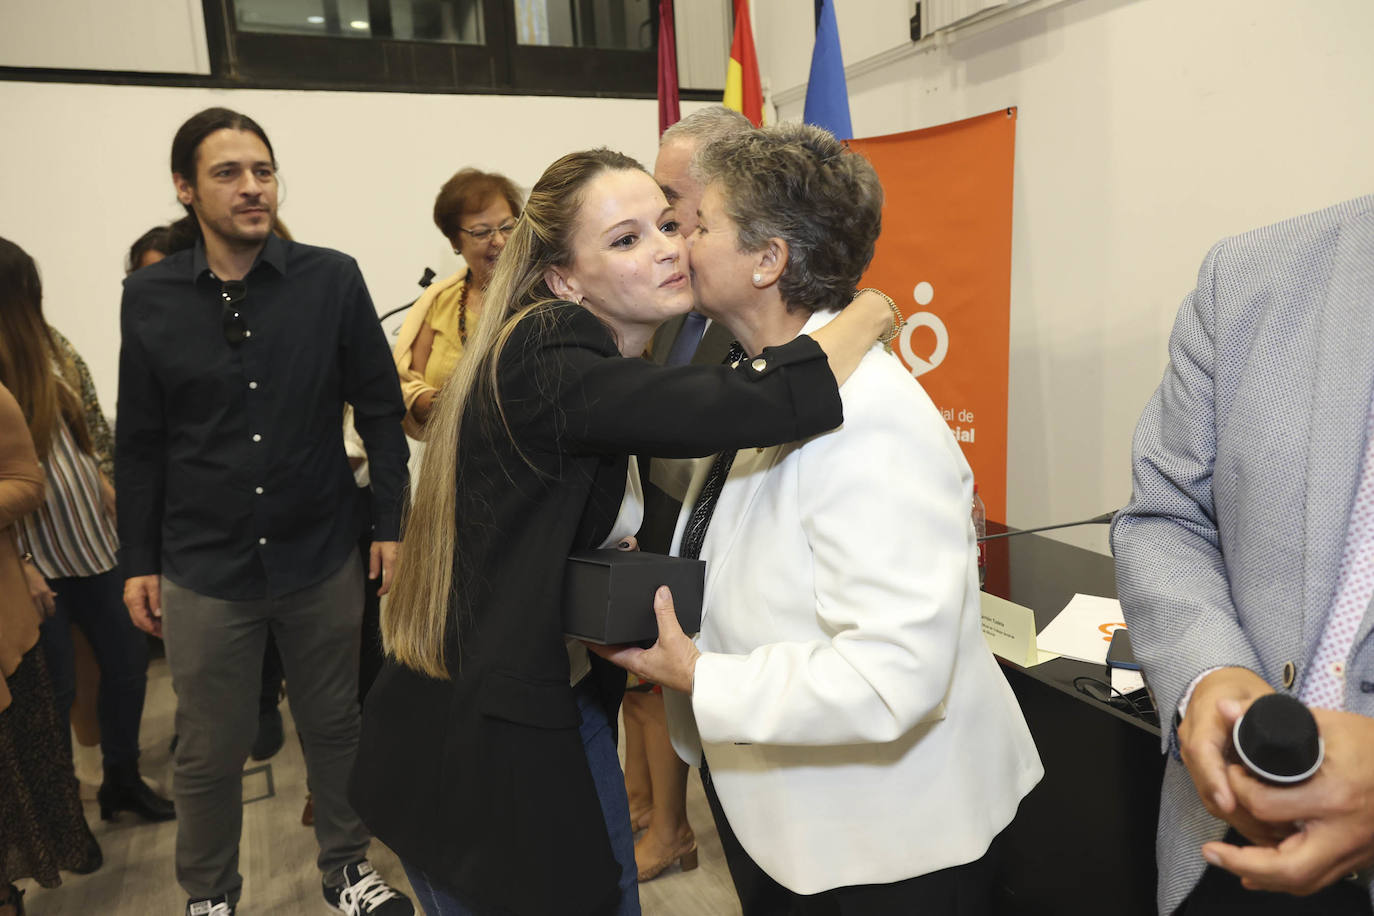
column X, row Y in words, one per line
column 1104, row 519
column 425, row 280
column 1277, row 740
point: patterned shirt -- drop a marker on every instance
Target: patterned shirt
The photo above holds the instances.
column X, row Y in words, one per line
column 71, row 534
column 76, row 374
column 1324, row 684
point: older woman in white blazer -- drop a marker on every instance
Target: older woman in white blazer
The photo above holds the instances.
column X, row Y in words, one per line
column 859, row 745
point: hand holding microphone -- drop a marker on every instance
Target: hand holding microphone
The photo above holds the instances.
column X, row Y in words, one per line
column 1278, row 741
column 1333, row 812
column 1208, row 751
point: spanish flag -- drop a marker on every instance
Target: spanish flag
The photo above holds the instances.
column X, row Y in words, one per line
column 743, row 91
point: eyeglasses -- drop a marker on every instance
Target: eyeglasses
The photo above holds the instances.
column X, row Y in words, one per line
column 235, row 327
column 481, row 235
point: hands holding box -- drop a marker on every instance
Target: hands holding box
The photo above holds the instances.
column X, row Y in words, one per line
column 607, row 598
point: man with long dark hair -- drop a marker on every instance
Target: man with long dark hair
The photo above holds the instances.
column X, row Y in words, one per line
column 238, row 514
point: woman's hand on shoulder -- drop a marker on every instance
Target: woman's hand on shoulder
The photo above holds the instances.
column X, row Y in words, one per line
column 872, row 316
column 879, row 309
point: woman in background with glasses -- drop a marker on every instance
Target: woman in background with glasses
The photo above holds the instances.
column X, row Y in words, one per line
column 476, row 211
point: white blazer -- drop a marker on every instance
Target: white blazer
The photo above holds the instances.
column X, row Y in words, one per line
column 857, row 728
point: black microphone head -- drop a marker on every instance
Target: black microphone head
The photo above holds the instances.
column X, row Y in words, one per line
column 1277, row 739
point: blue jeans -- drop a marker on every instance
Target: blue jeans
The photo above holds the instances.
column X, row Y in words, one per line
column 96, row 605
column 615, row 808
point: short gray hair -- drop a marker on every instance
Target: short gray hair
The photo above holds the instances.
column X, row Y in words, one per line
column 707, row 126
column 798, row 183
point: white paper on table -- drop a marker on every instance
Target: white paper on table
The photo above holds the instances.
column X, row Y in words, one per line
column 1127, row 681
column 1083, row 630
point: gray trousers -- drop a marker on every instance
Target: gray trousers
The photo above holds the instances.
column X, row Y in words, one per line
column 214, row 652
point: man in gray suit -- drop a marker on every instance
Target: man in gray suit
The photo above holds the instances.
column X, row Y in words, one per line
column 692, row 337
column 1245, row 564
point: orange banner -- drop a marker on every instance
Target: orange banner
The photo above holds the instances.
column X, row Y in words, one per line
column 945, row 257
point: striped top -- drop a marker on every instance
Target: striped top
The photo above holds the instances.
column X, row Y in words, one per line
column 71, row 534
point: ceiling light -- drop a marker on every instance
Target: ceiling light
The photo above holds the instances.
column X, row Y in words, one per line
column 358, row 24
column 315, row 20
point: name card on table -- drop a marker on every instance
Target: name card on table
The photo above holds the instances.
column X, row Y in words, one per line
column 1010, row 631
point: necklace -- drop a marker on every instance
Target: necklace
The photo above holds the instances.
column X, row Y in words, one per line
column 463, row 309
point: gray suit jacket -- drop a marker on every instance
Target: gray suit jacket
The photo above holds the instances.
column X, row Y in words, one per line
column 715, row 343
column 1246, row 462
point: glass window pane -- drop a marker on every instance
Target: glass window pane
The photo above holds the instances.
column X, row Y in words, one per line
column 616, row 24
column 336, row 18
column 458, row 21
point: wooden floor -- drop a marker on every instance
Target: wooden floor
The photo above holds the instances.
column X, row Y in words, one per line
column 277, row 856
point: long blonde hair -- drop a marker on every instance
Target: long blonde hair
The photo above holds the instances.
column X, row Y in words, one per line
column 415, row 623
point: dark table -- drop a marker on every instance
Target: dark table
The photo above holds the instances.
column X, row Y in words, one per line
column 1083, row 840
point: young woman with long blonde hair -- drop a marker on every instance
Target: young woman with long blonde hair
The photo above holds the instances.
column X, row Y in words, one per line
column 487, row 760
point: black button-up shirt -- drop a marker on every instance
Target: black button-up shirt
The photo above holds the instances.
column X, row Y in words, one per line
column 229, row 459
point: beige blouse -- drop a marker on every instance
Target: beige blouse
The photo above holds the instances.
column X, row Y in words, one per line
column 438, row 307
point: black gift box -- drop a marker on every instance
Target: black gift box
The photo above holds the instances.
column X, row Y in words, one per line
column 608, row 595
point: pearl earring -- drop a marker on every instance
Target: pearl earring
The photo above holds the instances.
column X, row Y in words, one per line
column 758, row 278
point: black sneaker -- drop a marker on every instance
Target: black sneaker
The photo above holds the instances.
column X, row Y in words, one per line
column 209, row 906
column 364, row 893
column 14, row 897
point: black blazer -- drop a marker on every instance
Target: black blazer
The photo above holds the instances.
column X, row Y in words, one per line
column 481, row 781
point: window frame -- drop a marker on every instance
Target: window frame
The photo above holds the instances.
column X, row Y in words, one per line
column 263, row 60
column 500, row 65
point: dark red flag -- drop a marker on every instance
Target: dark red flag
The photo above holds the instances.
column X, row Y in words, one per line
column 668, row 113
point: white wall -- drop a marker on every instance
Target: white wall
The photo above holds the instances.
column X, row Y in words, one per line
column 153, row 36
column 360, row 171
column 1147, row 130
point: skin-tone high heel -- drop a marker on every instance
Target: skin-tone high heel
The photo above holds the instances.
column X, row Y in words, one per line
column 685, row 855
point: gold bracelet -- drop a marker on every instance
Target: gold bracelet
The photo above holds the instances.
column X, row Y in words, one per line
column 897, row 319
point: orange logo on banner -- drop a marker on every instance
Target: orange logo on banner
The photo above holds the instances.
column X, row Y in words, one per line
column 945, row 257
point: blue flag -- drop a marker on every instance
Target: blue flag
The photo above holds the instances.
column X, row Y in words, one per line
column 827, row 95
